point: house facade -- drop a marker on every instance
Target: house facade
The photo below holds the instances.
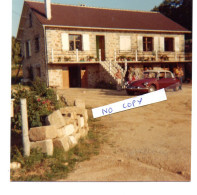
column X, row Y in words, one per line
column 77, row 46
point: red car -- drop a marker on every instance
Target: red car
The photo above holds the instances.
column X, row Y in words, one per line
column 152, row 81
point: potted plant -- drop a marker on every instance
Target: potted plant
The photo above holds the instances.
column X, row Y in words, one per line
column 122, row 57
column 82, row 60
column 90, row 58
column 129, row 58
column 66, row 59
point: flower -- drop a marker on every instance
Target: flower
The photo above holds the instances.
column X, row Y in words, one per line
column 43, row 102
column 38, row 99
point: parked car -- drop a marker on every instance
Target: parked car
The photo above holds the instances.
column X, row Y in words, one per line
column 153, row 80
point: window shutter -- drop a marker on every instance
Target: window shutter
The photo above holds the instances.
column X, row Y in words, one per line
column 140, row 43
column 29, row 47
column 65, row 42
column 176, row 47
column 86, row 42
column 156, row 46
column 125, row 43
column 161, row 43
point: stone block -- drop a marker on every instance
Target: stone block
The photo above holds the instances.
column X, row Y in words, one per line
column 46, row 146
column 56, row 119
column 72, row 141
column 42, row 133
column 62, row 143
column 77, row 136
column 75, row 110
column 68, row 129
column 79, row 103
column 80, row 121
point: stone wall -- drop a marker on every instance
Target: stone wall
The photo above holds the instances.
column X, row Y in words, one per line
column 64, row 128
column 37, row 59
column 112, row 43
column 55, row 76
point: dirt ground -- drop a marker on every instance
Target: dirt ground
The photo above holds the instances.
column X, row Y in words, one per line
column 150, row 143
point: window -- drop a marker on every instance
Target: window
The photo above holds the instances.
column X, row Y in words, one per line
column 75, row 42
column 147, row 44
column 37, row 45
column 30, row 20
column 169, row 44
column 28, row 49
column 168, row 75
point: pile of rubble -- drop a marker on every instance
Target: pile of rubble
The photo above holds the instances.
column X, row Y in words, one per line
column 64, row 128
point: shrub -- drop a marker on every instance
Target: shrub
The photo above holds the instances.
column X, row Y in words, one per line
column 39, row 87
column 105, row 85
column 40, row 103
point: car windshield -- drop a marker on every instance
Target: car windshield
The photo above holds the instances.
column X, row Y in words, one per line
column 150, row 75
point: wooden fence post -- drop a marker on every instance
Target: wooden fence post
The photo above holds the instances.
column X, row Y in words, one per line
column 26, row 142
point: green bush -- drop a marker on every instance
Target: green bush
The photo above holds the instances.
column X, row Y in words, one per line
column 41, row 102
column 105, row 85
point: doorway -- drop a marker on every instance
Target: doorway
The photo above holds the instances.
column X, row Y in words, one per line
column 74, row 76
column 84, row 77
column 100, row 44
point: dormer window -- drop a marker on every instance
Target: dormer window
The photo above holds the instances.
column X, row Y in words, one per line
column 30, row 20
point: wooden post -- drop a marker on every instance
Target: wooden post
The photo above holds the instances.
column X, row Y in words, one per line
column 136, row 55
column 26, row 142
column 77, row 55
column 100, row 55
column 125, row 70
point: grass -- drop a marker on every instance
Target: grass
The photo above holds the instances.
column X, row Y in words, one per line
column 40, row 167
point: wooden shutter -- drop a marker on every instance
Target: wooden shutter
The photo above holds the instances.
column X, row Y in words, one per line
column 65, row 42
column 140, row 43
column 176, row 46
column 156, row 43
column 29, row 47
column 125, row 43
column 86, row 42
column 161, row 44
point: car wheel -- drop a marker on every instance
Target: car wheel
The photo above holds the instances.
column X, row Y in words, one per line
column 130, row 92
column 151, row 88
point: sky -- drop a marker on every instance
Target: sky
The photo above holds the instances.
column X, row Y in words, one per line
column 144, row 5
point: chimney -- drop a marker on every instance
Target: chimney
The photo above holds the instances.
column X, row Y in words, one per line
column 48, row 9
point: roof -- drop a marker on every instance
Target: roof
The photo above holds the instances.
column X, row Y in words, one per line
column 89, row 17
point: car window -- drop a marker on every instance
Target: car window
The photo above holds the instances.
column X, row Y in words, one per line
column 168, row 75
column 150, row 74
column 162, row 75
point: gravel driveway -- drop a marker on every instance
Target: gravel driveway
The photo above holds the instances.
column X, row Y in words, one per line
column 150, row 143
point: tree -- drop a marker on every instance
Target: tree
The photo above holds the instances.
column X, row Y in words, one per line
column 179, row 11
column 16, row 52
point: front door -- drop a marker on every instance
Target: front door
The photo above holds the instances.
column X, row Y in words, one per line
column 100, row 45
column 84, row 77
column 65, row 76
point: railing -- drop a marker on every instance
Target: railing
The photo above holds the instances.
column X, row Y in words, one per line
column 59, row 56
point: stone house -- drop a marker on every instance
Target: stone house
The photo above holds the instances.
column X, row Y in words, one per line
column 79, row 46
